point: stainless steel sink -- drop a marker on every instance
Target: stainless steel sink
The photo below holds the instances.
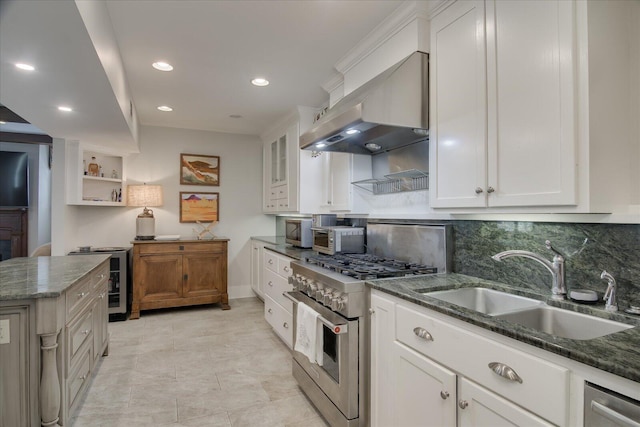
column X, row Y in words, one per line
column 487, row 301
column 563, row 323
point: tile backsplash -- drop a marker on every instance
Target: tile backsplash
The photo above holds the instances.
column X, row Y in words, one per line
column 588, row 249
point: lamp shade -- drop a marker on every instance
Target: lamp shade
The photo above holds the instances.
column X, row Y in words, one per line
column 144, row 195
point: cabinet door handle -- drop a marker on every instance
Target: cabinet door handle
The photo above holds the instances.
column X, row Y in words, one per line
column 479, row 190
column 269, row 311
column 372, row 311
column 286, row 269
column 81, row 294
column 422, row 333
column 444, row 395
column 181, row 247
column 270, row 284
column 463, row 404
column 85, row 332
column 286, row 325
column 505, row 371
column 185, row 277
column 490, row 190
column 270, row 261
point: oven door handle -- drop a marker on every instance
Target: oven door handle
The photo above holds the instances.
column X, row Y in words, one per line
column 337, row 328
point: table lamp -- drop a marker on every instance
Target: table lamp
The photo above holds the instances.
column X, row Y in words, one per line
column 145, row 196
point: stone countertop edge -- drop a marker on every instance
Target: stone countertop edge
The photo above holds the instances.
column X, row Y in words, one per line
column 272, row 240
column 617, row 353
column 290, row 251
column 44, row 277
column 213, row 239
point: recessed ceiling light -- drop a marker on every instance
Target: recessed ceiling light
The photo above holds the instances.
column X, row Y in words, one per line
column 352, row 131
column 65, row 109
column 162, row 66
column 25, row 67
column 165, row 108
column 259, row 81
column 235, row 116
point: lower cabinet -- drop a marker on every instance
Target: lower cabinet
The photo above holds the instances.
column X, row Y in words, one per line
column 257, row 258
column 278, row 310
column 441, row 375
column 176, row 274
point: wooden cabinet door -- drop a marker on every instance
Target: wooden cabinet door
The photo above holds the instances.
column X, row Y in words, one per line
column 480, row 407
column 204, row 274
column 157, row 277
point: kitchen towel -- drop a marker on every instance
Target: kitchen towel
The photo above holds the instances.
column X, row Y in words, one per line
column 308, row 333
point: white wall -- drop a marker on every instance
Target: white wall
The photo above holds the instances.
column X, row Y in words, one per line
column 39, row 217
column 158, row 163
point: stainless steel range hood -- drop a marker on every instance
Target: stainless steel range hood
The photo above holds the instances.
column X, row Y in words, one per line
column 388, row 112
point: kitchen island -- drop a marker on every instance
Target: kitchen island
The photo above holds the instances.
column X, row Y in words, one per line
column 53, row 328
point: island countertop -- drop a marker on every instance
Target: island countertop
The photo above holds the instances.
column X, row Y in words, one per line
column 44, row 277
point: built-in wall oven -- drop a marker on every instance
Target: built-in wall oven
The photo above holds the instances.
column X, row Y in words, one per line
column 333, row 286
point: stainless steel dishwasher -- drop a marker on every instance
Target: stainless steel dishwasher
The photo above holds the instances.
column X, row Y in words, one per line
column 605, row 408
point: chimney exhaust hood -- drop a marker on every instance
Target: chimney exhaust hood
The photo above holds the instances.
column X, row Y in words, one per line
column 388, row 112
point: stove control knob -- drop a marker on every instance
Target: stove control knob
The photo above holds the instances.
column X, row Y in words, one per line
column 327, row 297
column 335, row 301
column 311, row 288
column 342, row 302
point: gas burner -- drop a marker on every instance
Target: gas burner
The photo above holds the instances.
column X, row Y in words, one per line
column 368, row 266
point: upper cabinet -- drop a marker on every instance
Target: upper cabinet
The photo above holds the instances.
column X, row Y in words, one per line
column 287, row 169
column 339, row 171
column 94, row 177
column 503, row 128
column 518, row 121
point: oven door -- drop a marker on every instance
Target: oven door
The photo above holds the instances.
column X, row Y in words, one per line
column 323, row 241
column 338, row 375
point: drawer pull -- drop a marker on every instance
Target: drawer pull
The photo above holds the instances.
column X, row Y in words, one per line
column 269, row 311
column 422, row 333
column 270, row 261
column 270, row 284
column 286, row 269
column 84, row 377
column 444, row 395
column 286, row 325
column 86, row 332
column 81, row 294
column 505, row 371
column 463, row 404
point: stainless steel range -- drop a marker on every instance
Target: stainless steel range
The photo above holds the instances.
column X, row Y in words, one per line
column 333, row 287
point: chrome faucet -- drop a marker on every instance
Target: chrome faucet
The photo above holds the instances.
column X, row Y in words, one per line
column 610, row 295
column 556, row 268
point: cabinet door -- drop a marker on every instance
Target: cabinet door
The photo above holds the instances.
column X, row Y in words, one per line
column 340, row 184
column 382, row 337
column 204, row 274
column 424, row 391
column 15, row 356
column 458, row 107
column 257, row 250
column 157, row 277
column 531, row 113
column 480, row 407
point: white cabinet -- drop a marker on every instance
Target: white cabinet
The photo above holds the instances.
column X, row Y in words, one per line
column 94, row 178
column 425, row 364
column 257, row 257
column 503, row 108
column 278, row 310
column 287, row 169
column 339, row 170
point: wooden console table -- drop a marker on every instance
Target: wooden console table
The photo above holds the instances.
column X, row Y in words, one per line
column 179, row 273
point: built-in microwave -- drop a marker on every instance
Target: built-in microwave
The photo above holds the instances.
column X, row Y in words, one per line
column 333, row 240
column 298, row 232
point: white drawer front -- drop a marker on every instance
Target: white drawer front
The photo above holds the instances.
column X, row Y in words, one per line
column 274, row 286
column 280, row 320
column 284, row 266
column 271, row 261
column 545, row 386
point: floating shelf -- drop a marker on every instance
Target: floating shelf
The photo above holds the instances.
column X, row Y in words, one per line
column 398, row 182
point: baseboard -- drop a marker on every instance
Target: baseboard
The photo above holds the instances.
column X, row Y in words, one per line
column 242, row 291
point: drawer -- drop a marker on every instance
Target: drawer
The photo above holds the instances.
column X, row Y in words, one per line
column 274, row 286
column 78, row 296
column 100, row 276
column 78, row 381
column 280, row 320
column 545, row 386
column 271, row 261
column 284, row 266
column 179, row 247
column 78, row 332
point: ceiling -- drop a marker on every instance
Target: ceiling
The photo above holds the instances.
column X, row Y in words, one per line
column 216, row 48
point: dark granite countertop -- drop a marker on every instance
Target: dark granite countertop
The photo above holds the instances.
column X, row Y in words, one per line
column 617, row 353
column 44, row 277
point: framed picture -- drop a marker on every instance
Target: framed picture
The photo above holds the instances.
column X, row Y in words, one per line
column 195, row 206
column 196, row 169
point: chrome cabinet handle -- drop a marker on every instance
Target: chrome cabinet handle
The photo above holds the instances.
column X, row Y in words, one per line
column 286, row 269
column 490, row 190
column 422, row 333
column 84, row 377
column 269, row 311
column 444, row 395
column 286, row 325
column 81, row 294
column 270, row 284
column 463, row 404
column 479, row 190
column 505, row 371
column 270, row 261
column 371, row 311
column 85, row 332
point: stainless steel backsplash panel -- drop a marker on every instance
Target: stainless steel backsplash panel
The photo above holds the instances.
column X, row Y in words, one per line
column 423, row 244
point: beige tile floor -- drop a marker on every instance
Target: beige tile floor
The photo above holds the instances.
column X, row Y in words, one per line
column 196, row 366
